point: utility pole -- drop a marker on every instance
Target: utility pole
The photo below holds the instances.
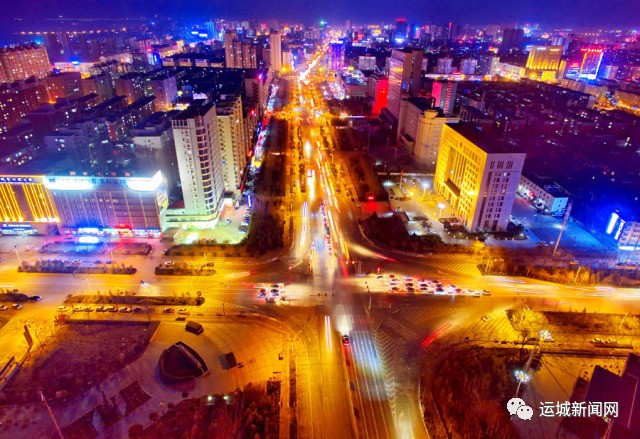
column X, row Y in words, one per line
column 51, row 415
column 564, row 224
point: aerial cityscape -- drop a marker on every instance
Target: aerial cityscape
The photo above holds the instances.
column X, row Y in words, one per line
column 345, row 220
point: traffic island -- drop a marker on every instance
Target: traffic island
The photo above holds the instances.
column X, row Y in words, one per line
column 180, row 363
column 61, row 267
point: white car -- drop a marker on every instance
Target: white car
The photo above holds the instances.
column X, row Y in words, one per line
column 487, row 318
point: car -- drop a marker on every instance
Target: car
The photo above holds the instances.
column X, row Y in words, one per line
column 262, row 293
column 183, row 311
column 124, row 309
column 379, row 276
column 87, row 309
column 476, row 294
column 3, row 307
column 100, row 309
column 345, row 340
column 486, row 292
column 76, row 262
column 409, row 284
column 486, row 318
column 108, row 261
column 411, row 290
column 270, row 299
column 279, row 286
column 63, row 308
column 168, row 310
column 111, row 309
column 394, row 290
column 391, row 276
column 35, row 298
column 168, row 263
column 143, row 283
column 97, row 261
column 274, row 292
column 137, row 309
column 227, row 220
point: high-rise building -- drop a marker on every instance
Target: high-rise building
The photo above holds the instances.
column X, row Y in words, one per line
column 287, row 59
column 195, row 132
column 608, row 71
column 445, row 65
column 590, row 65
column 101, row 85
column 249, row 56
column 444, row 94
column 512, row 39
column 488, row 64
column 544, row 58
column 337, row 55
column 275, row 40
column 478, row 175
column 229, row 51
column 134, row 86
column 211, row 29
column 378, row 91
column 404, row 77
column 468, row 66
column 421, row 129
column 23, row 62
column 233, row 147
column 402, row 31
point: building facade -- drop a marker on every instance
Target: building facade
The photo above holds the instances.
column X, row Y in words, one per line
column 233, row 145
column 404, row 77
column 195, row 133
column 421, row 130
column 478, row 176
column 275, row 53
column 444, row 94
column 22, row 62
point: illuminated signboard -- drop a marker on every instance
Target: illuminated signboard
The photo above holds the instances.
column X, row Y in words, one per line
column 145, row 184
column 17, row 180
column 68, row 183
column 613, row 219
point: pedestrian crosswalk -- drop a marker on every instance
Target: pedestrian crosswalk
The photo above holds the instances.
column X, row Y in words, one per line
column 468, row 268
column 214, row 303
column 406, row 334
column 388, row 350
column 420, row 314
column 499, row 327
column 353, row 322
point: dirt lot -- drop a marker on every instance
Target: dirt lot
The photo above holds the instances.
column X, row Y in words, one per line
column 79, row 355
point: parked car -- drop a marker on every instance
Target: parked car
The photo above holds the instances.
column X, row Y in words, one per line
column 137, row 309
column 168, row 310
column 124, row 309
column 35, row 298
column 100, row 309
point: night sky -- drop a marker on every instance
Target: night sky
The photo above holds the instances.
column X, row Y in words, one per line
column 574, row 13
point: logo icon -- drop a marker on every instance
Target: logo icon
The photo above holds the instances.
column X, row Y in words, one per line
column 517, row 406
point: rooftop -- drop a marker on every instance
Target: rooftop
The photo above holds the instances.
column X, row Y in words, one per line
column 194, row 111
column 489, row 143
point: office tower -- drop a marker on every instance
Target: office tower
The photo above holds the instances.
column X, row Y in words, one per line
column 237, row 55
column 454, row 31
column 287, row 60
column 512, row 39
column 478, row 175
column 229, row 51
column 275, row 41
column 195, row 132
column 23, row 62
column 421, row 129
column 211, row 29
column 444, row 94
column 468, row 66
column 378, row 91
column 337, row 55
column 608, row 72
column 544, row 58
column 401, row 32
column 404, row 77
column 249, row 55
column 233, row 145
column 19, row 98
column 445, row 65
column 367, row 62
column 590, row 65
column 165, row 89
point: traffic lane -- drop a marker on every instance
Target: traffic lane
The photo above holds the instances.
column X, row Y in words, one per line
column 374, row 410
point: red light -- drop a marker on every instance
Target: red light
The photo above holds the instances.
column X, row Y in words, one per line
column 370, row 198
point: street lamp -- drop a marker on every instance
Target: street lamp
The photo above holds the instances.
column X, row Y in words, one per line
column 441, row 206
column 425, row 185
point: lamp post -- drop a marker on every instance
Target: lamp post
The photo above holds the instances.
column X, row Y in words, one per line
column 441, row 206
column 424, row 189
column 15, row 248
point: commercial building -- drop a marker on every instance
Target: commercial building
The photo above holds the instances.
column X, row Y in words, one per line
column 444, row 66
column 378, row 90
column 543, row 62
column 468, row 66
column 22, row 62
column 337, row 50
column 420, row 130
column 479, row 177
column 590, row 64
column 545, row 194
column 113, row 205
column 444, row 94
column 233, row 145
column 26, row 205
column 404, row 77
column 275, row 40
column 195, row 132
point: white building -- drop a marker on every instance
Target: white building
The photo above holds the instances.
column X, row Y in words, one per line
column 543, row 194
column 479, row 177
column 195, row 133
column 275, row 40
column 233, row 145
column 420, row 130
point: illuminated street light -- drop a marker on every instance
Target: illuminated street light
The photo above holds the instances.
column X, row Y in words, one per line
column 441, row 206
